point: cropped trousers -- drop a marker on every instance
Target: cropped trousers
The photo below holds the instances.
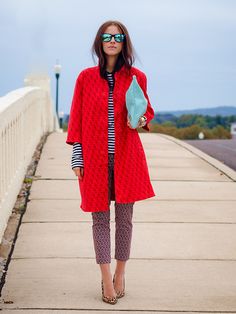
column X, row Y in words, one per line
column 123, row 225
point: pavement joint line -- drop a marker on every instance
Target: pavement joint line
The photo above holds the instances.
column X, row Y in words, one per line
column 194, row 200
column 111, row 310
column 136, row 222
column 229, row 172
column 157, row 200
column 147, row 200
column 154, row 180
column 184, row 180
column 131, row 258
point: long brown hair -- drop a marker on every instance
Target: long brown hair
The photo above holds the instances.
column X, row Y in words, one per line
column 126, row 56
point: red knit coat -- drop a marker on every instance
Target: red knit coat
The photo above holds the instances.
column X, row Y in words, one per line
column 88, row 125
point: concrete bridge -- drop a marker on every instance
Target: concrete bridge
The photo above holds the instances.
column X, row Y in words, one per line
column 183, row 255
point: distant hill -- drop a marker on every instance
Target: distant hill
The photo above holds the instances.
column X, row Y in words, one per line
column 221, row 110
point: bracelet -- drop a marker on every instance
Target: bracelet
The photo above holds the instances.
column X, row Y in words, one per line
column 142, row 121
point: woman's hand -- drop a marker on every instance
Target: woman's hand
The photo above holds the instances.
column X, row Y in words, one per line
column 140, row 124
column 79, row 172
column 128, row 123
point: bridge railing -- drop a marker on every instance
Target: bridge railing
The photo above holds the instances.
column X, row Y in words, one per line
column 25, row 115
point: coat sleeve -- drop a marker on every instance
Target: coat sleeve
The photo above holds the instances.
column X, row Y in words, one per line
column 74, row 132
column 149, row 114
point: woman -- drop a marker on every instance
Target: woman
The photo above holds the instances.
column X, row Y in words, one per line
column 108, row 156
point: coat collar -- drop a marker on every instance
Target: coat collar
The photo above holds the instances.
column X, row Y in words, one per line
column 123, row 71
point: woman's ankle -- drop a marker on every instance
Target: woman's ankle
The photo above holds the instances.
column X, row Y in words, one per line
column 119, row 272
column 105, row 271
column 106, row 277
column 120, row 268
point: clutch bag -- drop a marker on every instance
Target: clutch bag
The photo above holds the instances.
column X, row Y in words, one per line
column 136, row 102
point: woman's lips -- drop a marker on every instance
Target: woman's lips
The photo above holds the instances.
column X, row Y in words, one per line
column 112, row 47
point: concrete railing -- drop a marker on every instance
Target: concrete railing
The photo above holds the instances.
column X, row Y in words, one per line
column 25, row 115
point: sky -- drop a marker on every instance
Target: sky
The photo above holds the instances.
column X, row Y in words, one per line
column 186, row 48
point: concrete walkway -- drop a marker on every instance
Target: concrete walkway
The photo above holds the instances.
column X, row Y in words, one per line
column 183, row 255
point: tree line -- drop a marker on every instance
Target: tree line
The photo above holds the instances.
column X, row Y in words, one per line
column 188, row 126
column 186, row 120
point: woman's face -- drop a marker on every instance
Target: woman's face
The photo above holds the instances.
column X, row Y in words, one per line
column 112, row 48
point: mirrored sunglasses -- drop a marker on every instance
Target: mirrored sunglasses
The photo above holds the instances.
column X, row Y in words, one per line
column 118, row 37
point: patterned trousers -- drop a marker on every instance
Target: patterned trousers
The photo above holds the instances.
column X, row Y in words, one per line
column 123, row 223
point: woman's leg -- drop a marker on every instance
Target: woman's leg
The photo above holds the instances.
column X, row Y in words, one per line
column 123, row 237
column 101, row 237
column 102, row 246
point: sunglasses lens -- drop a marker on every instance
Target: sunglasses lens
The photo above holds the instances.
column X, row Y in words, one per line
column 119, row 37
column 106, row 37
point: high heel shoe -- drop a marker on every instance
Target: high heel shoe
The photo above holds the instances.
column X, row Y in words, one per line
column 119, row 294
column 110, row 300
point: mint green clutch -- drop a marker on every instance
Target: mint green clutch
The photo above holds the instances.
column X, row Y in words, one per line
column 136, row 102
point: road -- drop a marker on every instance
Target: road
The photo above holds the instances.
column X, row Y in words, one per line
column 223, row 150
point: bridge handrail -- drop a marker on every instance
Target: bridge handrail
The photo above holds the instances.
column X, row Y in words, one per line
column 25, row 115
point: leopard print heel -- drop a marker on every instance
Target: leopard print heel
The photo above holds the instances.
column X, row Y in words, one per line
column 110, row 300
column 119, row 294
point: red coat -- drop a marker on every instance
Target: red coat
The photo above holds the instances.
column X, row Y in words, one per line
column 88, row 124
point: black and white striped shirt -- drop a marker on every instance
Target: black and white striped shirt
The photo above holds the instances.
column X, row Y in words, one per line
column 77, row 153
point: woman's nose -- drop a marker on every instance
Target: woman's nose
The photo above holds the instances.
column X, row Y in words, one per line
column 113, row 39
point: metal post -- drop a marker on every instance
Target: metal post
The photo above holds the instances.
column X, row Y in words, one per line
column 57, row 69
column 57, row 85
